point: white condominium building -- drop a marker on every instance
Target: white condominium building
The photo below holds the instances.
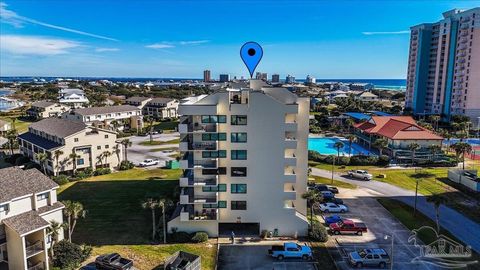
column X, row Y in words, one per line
column 244, row 161
column 444, row 66
column 108, row 117
column 28, row 204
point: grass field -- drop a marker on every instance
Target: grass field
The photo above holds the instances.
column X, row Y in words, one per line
column 328, row 181
column 20, row 125
column 171, row 125
column 404, row 213
column 148, row 143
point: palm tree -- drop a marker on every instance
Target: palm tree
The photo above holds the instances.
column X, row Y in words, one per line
column 74, row 156
column 461, row 148
column 149, row 120
column 351, row 138
column 338, row 145
column 115, row 124
column 163, row 204
column 54, row 231
column 117, row 151
column 42, row 160
column 434, row 148
column 12, row 138
column 100, row 160
column 126, row 143
column 106, row 155
column 437, row 201
column 57, row 155
column 349, row 123
column 151, row 205
column 435, row 119
column 313, row 197
column 413, row 147
column 380, row 144
column 73, row 211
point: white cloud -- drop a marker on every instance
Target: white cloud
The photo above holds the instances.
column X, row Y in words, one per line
column 11, row 17
column 194, row 42
column 160, row 46
column 107, row 49
column 386, row 33
column 35, row 45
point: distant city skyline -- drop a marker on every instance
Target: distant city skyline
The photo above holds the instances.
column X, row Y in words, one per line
column 181, row 39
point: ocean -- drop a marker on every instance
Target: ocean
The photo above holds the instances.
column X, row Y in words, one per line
column 4, row 92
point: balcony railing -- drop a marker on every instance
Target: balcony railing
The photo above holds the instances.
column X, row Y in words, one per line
column 204, row 214
column 3, row 238
column 34, row 248
column 38, row 266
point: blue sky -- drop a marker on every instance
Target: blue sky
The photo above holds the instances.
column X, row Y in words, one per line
column 326, row 39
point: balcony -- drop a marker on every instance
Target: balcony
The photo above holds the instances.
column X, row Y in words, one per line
column 38, row 266
column 187, row 196
column 291, row 126
column 189, row 213
column 34, row 249
column 290, row 161
column 187, row 144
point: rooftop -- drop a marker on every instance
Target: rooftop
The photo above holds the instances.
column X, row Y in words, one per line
column 106, row 109
column 42, row 104
column 160, row 100
column 58, row 126
column 16, row 182
column 137, row 99
column 26, row 222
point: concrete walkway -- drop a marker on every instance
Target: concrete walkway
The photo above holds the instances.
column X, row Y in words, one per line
column 459, row 225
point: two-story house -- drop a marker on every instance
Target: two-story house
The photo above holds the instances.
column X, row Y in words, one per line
column 60, row 138
column 161, row 108
column 45, row 109
column 109, row 117
column 72, row 97
column 138, row 102
column 28, row 203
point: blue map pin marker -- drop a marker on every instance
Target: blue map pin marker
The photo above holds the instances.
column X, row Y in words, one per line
column 251, row 54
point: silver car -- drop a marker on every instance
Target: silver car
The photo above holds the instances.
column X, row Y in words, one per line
column 369, row 257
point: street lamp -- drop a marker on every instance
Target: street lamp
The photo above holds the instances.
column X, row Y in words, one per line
column 391, row 249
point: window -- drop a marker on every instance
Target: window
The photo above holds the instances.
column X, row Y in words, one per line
column 75, row 139
column 239, row 137
column 214, row 137
column 239, row 172
column 106, row 136
column 238, row 188
column 80, row 161
column 239, row 205
column 214, row 119
column 219, row 171
column 238, row 120
column 107, row 146
column 4, row 208
column 43, row 196
column 99, row 147
column 219, row 188
column 209, row 205
column 222, row 204
column 214, row 154
column 239, row 154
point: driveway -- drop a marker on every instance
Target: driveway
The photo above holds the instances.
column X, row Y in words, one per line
column 255, row 257
column 363, row 207
column 456, row 223
column 138, row 153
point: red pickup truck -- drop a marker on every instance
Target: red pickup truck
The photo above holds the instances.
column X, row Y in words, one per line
column 348, row 226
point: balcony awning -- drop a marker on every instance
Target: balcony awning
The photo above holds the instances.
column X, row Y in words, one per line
column 26, row 223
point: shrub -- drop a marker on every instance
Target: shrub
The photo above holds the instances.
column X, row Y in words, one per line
column 383, row 160
column 69, row 255
column 180, row 237
column 22, row 160
column 61, row 179
column 200, row 237
column 318, row 233
column 126, row 165
column 31, row 165
column 264, row 234
column 102, row 171
column 13, row 158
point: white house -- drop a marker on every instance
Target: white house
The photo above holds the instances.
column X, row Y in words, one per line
column 72, row 97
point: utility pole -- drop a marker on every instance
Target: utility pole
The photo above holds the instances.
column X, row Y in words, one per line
column 416, row 194
column 333, row 166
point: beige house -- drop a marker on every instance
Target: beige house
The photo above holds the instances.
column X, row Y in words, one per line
column 138, row 102
column 4, row 126
column 245, row 162
column 28, row 203
column 109, row 117
column 367, row 96
column 90, row 144
column 161, row 108
column 45, row 109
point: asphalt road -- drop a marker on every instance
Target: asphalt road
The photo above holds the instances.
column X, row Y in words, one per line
column 138, row 153
column 456, row 223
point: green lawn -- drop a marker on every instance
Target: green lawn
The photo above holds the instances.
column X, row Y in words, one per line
column 404, row 213
column 148, row 257
column 328, row 181
column 113, row 204
column 340, row 169
column 172, row 125
column 20, row 125
column 148, row 143
column 163, row 149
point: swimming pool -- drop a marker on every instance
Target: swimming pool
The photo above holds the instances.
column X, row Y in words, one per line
column 471, row 141
column 325, row 146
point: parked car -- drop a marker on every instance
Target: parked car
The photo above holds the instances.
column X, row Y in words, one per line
column 333, row 208
column 348, row 226
column 290, row 250
column 113, row 261
column 321, row 187
column 360, row 174
column 333, row 219
column 334, row 190
column 149, row 162
column 327, row 195
column 369, row 257
column 335, row 200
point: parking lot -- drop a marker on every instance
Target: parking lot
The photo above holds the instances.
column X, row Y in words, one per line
column 250, row 257
column 138, row 153
column 365, row 208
